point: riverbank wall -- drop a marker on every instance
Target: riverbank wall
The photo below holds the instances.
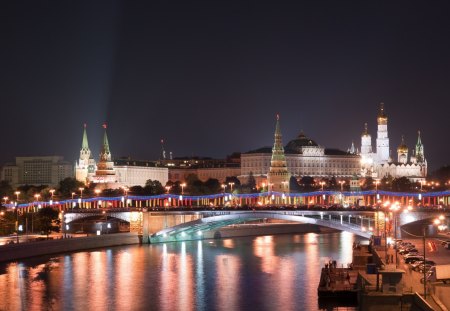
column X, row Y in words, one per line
column 13, row 252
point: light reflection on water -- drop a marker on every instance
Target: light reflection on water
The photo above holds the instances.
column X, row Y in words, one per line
column 259, row 273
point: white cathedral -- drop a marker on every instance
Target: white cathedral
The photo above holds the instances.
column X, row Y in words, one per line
column 379, row 163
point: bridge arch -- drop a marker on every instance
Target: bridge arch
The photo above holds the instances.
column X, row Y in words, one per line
column 193, row 230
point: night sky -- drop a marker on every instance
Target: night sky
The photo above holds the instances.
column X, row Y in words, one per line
column 209, row 77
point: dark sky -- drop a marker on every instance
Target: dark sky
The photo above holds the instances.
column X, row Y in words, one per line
column 209, row 77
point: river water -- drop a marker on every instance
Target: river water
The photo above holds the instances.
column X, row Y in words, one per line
column 279, row 272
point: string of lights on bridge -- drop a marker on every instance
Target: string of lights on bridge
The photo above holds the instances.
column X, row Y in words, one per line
column 230, row 196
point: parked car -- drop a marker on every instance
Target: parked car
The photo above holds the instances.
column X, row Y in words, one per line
column 416, row 265
column 411, row 259
column 406, row 251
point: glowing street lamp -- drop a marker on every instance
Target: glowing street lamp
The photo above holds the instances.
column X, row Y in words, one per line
column 322, row 183
column 5, row 199
column 97, row 192
column 223, row 187
column 342, row 182
column 73, row 194
column 182, row 188
column 52, row 192
column 17, row 193
column 168, row 189
column 231, row 185
column 81, row 191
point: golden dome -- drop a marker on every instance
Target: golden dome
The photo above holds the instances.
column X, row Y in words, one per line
column 402, row 148
column 382, row 117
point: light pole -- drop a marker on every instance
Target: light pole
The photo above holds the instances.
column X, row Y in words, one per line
column 322, row 183
column 342, row 182
column 17, row 193
column 182, row 188
column 52, row 192
column 36, row 196
column 223, row 187
column 81, row 192
column 231, row 186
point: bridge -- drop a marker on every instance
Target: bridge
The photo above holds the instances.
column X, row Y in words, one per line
column 156, row 226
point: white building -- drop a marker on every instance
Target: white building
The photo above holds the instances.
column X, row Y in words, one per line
column 380, row 164
column 36, row 171
column 136, row 173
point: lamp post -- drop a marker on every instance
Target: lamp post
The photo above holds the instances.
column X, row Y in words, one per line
column 52, row 192
column 322, row 183
column 17, row 193
column 81, row 192
column 223, row 187
column 231, row 186
column 182, row 188
column 342, row 182
column 36, row 196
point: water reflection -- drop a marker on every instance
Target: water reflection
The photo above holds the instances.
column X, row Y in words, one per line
column 260, row 273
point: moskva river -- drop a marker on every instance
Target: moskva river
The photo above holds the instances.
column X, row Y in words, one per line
column 279, row 272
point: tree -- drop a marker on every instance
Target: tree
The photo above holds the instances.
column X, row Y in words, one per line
column 368, row 184
column 5, row 189
column 402, row 184
column 293, row 185
column 212, row 186
column 153, row 187
column 251, row 182
column 307, row 182
column 69, row 185
column 48, row 220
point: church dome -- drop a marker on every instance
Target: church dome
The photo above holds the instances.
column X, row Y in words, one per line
column 299, row 142
column 402, row 148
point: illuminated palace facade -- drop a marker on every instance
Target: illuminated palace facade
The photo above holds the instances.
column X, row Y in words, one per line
column 380, row 163
column 304, row 157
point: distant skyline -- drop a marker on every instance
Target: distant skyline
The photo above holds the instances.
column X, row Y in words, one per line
column 209, row 77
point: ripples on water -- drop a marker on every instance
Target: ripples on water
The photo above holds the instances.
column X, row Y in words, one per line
column 278, row 272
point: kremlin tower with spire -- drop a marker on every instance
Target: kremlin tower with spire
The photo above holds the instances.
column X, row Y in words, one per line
column 85, row 167
column 278, row 176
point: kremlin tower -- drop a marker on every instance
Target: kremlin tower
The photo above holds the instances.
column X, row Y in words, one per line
column 105, row 172
column 85, row 167
column 278, row 176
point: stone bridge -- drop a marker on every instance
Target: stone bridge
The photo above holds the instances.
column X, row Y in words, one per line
column 166, row 226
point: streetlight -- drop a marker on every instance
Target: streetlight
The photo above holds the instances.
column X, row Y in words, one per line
column 6, row 200
column 17, row 193
column 168, row 189
column 52, row 191
column 322, row 183
column 97, row 191
column 81, row 191
column 223, row 187
column 73, row 194
column 342, row 182
column 231, row 185
column 182, row 188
